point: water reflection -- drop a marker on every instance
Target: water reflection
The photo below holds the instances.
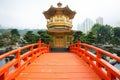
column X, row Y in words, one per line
column 117, row 65
column 2, row 62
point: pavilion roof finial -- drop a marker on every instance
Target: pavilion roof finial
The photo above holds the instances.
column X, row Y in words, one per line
column 59, row 4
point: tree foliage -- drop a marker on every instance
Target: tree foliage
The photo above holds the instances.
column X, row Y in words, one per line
column 95, row 29
column 30, row 37
column 9, row 37
column 104, row 34
column 15, row 36
column 1, row 43
column 15, row 32
column 77, row 35
column 117, row 32
column 116, row 37
column 14, row 39
column 115, row 41
column 90, row 38
column 101, row 34
column 45, row 37
column 6, row 34
column 84, row 38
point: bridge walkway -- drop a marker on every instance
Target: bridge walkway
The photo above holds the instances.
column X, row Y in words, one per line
column 58, row 66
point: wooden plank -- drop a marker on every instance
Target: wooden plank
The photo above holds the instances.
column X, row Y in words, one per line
column 58, row 69
column 58, row 66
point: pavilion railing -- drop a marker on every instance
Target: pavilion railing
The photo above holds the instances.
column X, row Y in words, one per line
column 23, row 56
column 95, row 58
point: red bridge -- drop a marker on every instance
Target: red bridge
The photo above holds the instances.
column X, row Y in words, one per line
column 37, row 63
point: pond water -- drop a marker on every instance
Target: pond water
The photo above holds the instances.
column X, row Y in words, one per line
column 117, row 66
column 2, row 62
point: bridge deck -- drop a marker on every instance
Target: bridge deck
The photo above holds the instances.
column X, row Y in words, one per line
column 58, row 66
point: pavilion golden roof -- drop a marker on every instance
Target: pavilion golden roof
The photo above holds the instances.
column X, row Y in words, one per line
column 59, row 10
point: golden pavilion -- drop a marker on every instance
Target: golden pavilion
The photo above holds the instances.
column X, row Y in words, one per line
column 59, row 24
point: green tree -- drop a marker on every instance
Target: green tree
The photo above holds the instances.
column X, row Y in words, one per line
column 15, row 36
column 77, row 35
column 117, row 32
column 104, row 34
column 15, row 32
column 45, row 37
column 116, row 37
column 115, row 41
column 6, row 34
column 95, row 29
column 40, row 32
column 14, row 39
column 1, row 43
column 30, row 37
column 90, row 38
column 83, row 38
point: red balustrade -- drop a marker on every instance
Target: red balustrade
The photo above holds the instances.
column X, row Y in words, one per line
column 90, row 54
column 11, row 69
column 104, row 69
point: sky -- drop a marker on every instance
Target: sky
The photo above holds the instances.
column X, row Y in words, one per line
column 28, row 14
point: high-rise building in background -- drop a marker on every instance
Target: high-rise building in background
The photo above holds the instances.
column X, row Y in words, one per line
column 80, row 27
column 86, row 25
column 99, row 20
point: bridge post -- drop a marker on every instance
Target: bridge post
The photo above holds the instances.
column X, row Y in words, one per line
column 78, row 46
column 48, row 47
column 18, row 58
column 32, row 53
column 39, row 45
column 98, row 56
column 85, row 54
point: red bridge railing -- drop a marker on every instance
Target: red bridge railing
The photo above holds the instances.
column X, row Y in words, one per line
column 104, row 69
column 11, row 69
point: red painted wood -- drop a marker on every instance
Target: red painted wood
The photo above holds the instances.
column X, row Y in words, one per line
column 36, row 64
column 12, row 69
column 58, row 66
column 104, row 69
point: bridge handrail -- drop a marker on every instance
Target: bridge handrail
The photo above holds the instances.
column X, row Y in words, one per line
column 99, row 65
column 14, row 51
column 103, row 52
column 21, row 61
